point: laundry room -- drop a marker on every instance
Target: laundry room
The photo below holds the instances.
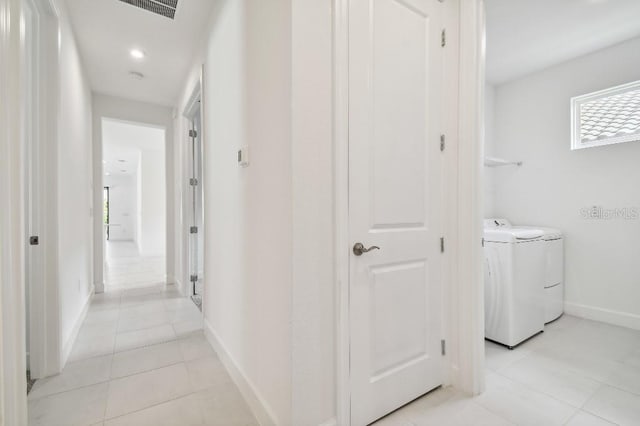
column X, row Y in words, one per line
column 562, row 174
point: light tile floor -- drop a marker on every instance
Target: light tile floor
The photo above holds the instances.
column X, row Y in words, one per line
column 577, row 373
column 125, row 268
column 140, row 359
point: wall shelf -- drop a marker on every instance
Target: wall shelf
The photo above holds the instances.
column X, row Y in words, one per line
column 499, row 162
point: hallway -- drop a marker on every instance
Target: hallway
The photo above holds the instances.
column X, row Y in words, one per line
column 140, row 358
column 125, row 268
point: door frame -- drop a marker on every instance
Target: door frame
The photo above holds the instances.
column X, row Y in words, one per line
column 13, row 398
column 44, row 331
column 463, row 291
column 190, row 109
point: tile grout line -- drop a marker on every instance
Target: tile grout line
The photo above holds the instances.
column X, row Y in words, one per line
column 111, row 378
column 152, row 406
column 531, row 389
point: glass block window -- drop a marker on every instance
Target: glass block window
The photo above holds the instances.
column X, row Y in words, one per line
column 606, row 117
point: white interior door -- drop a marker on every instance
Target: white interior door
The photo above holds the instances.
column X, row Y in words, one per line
column 395, row 202
column 196, row 238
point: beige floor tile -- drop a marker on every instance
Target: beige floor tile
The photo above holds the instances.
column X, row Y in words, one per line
column 97, row 346
column 146, row 337
column 583, row 418
column 80, row 407
column 144, row 390
column 225, row 408
column 75, row 375
column 143, row 321
column 183, row 411
column 144, row 359
column 552, row 378
column 195, row 346
column 615, row 405
column 186, row 328
column 522, row 405
column 209, row 372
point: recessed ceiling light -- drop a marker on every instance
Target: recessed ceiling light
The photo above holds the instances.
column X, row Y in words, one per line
column 108, row 174
column 137, row 54
column 104, row 161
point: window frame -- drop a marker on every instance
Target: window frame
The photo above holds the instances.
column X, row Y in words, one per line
column 576, row 125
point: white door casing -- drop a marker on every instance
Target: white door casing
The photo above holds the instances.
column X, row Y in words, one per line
column 395, row 202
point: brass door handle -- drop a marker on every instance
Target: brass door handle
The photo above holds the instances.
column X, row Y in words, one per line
column 359, row 248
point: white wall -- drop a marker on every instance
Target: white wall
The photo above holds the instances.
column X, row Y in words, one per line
column 489, row 148
column 532, row 124
column 152, row 225
column 74, row 187
column 105, row 106
column 123, row 207
column 247, row 298
column 314, row 288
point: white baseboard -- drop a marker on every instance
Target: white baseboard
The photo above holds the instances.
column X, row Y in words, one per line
column 258, row 405
column 622, row 319
column 68, row 345
column 331, row 422
column 180, row 287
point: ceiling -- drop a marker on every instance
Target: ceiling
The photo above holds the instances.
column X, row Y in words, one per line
column 123, row 144
column 106, row 31
column 524, row 36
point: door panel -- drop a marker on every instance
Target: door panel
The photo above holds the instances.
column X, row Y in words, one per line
column 395, row 197
column 195, row 213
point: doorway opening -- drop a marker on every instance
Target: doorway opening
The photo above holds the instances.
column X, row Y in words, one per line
column 194, row 211
column 134, row 209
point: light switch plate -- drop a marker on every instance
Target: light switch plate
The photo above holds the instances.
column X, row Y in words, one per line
column 243, row 156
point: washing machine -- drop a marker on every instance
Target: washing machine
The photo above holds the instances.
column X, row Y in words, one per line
column 554, row 272
column 515, row 264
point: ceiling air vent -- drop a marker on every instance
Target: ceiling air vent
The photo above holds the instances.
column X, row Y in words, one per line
column 165, row 8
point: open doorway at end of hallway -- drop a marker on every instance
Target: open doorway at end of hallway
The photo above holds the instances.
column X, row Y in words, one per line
column 134, row 213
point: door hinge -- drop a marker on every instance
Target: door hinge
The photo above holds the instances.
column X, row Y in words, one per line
column 443, row 346
column 34, row 240
column 193, row 134
column 193, row 229
column 442, row 245
column 444, row 38
column 193, row 182
column 442, row 142
column 482, row 242
column 193, row 278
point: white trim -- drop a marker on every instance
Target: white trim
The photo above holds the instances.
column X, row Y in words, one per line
column 341, row 205
column 262, row 411
column 44, row 331
column 467, row 302
column 68, row 345
column 622, row 319
column 13, row 400
column 195, row 104
column 192, row 104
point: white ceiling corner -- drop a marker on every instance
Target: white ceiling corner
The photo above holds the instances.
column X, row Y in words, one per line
column 106, row 30
column 524, row 36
